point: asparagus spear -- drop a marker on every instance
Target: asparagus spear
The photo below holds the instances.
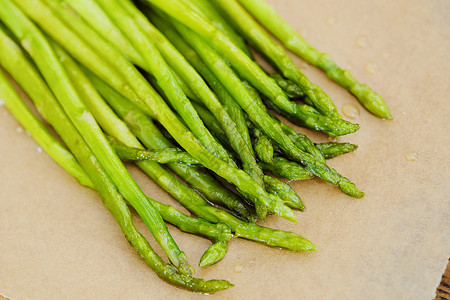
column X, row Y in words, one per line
column 212, row 124
column 269, row 18
column 40, row 50
column 37, row 130
column 168, row 155
column 99, row 20
column 259, row 116
column 12, row 57
column 330, row 150
column 207, row 97
column 115, row 69
column 247, row 68
column 285, row 191
column 120, row 14
column 254, row 32
column 112, row 124
column 14, row 60
column 150, row 136
column 291, row 89
column 205, row 7
column 284, row 168
column 300, row 140
column 263, row 146
column 265, row 152
column 233, row 109
column 216, row 250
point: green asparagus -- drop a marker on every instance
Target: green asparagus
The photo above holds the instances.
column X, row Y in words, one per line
column 168, row 155
column 150, row 136
column 28, row 77
column 330, row 150
column 36, row 129
column 207, row 97
column 263, row 147
column 284, row 168
column 159, row 68
column 115, row 69
column 171, row 86
column 40, row 50
column 205, row 7
column 314, row 95
column 291, row 89
column 260, row 117
column 233, row 109
column 247, row 68
column 285, row 191
column 268, row 17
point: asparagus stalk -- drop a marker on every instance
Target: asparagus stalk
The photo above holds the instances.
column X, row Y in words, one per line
column 291, row 89
column 27, row 76
column 115, row 69
column 259, row 116
column 13, row 59
column 164, row 156
column 207, row 8
column 99, row 20
column 263, row 146
column 212, row 124
column 269, row 18
column 247, row 68
column 300, row 140
column 254, row 32
column 37, row 130
column 216, row 250
column 285, row 191
column 112, row 124
column 119, row 13
column 150, row 136
column 264, row 149
column 203, row 92
column 40, row 50
column 233, row 109
column 330, row 150
column 284, row 168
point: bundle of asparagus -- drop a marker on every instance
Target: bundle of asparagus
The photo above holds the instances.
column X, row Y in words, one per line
column 173, row 85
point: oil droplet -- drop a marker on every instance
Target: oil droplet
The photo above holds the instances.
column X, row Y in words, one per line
column 412, row 156
column 19, row 129
column 27, row 133
column 361, row 41
column 350, row 110
column 252, row 262
column 239, row 269
column 1, row 102
column 404, row 113
column 39, row 149
column 371, row 67
column 331, row 21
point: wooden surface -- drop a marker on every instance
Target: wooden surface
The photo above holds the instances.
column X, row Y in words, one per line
column 443, row 290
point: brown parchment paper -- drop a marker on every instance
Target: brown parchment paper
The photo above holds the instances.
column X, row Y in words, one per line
column 57, row 240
